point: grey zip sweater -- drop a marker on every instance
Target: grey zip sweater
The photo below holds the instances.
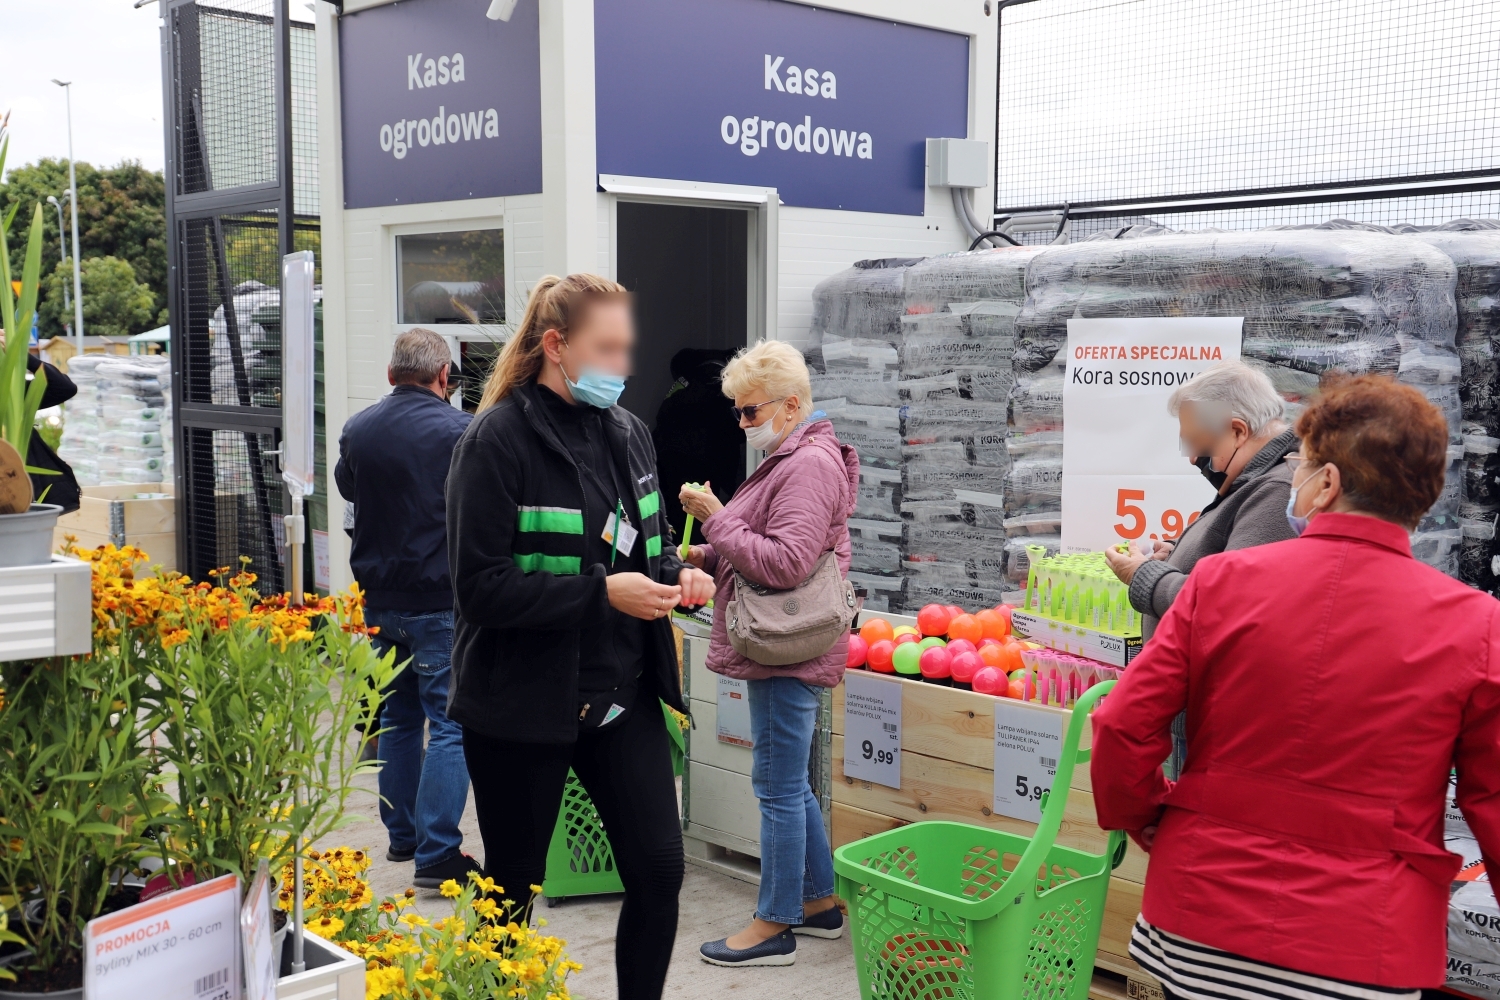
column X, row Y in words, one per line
column 1252, row 513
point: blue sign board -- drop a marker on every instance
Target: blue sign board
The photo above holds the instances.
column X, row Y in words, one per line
column 440, row 103
column 831, row 109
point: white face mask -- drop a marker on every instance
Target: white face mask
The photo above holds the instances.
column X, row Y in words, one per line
column 764, row 437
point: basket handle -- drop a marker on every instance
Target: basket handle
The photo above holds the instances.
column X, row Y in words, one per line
column 1055, row 801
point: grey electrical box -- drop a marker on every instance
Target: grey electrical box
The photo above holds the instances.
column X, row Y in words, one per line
column 960, row 163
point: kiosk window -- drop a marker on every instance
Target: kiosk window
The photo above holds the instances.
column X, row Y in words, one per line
column 452, row 277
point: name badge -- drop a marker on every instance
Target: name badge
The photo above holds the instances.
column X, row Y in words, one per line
column 626, row 531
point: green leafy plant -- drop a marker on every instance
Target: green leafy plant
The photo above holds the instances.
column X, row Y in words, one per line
column 19, row 399
column 256, row 720
column 77, row 794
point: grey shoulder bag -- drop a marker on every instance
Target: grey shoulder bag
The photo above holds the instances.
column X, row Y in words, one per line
column 777, row 628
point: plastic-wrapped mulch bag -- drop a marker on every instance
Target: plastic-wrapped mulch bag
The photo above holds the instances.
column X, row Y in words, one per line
column 1312, row 301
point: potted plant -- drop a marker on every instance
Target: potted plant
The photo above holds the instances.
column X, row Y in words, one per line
column 254, row 704
column 25, row 527
column 77, row 794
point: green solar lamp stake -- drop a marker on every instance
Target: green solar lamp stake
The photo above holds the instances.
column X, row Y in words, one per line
column 687, row 527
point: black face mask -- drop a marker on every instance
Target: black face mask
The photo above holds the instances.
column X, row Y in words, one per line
column 1205, row 466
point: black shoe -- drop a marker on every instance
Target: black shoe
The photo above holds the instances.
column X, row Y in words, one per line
column 392, row 854
column 828, row 924
column 457, row 868
column 778, row 950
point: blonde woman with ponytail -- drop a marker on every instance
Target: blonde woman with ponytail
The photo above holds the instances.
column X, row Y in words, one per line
column 564, row 578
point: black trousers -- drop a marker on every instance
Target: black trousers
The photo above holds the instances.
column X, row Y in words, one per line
column 627, row 771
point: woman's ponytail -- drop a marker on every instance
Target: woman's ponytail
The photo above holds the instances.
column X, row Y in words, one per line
column 555, row 304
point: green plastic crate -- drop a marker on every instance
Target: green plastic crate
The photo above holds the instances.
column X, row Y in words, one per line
column 580, row 861
column 948, row 911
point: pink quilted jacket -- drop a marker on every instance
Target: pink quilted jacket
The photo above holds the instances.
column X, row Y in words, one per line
column 794, row 508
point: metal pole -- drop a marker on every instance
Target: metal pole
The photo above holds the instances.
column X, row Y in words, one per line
column 62, row 238
column 67, row 86
column 294, row 528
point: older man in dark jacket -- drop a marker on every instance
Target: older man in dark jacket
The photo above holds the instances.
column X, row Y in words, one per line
column 393, row 468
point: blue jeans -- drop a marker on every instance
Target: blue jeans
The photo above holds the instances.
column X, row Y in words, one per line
column 795, row 862
column 422, row 800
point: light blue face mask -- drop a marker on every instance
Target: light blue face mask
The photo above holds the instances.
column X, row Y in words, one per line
column 1297, row 524
column 595, row 388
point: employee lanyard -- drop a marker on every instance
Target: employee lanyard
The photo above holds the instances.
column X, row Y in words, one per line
column 619, row 519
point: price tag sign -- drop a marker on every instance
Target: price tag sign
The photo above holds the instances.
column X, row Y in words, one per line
column 872, row 729
column 1027, row 744
column 1124, row 477
column 182, row 945
column 734, row 712
column 255, row 931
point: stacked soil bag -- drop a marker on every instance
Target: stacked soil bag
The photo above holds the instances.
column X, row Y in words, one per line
column 1313, row 302
column 855, row 359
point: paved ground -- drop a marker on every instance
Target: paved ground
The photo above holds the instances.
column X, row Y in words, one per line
column 713, row 905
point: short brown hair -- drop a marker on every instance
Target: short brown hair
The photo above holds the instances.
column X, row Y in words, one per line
column 1389, row 442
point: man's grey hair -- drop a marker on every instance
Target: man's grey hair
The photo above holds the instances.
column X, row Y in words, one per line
column 419, row 356
column 1231, row 389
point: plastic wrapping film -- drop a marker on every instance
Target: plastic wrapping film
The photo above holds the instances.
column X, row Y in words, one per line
column 865, row 301
column 118, row 428
column 1312, row 301
column 1476, row 255
column 958, row 347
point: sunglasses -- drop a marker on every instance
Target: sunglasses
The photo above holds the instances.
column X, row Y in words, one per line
column 749, row 412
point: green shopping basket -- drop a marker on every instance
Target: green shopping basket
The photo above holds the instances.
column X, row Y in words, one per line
column 580, row 861
column 949, row 911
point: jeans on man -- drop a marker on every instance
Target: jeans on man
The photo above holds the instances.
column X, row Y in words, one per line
column 795, row 863
column 422, row 798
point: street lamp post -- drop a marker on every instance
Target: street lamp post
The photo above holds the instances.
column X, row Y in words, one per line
column 62, row 237
column 67, row 86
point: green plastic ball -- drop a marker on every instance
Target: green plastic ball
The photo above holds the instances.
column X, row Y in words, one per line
column 908, row 658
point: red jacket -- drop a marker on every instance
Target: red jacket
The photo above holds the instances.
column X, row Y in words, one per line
column 1330, row 683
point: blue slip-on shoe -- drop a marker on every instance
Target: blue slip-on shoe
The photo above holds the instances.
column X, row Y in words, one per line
column 828, row 924
column 778, row 950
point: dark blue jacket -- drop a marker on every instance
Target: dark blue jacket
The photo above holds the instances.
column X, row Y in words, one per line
column 393, row 466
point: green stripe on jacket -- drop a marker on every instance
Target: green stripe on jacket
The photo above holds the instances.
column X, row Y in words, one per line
column 532, row 562
column 554, row 520
column 649, row 504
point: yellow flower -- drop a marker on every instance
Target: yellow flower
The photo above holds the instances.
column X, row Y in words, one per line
column 326, row 927
column 449, row 889
column 536, row 888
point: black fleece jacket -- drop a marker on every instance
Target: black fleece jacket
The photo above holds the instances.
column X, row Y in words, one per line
column 525, row 588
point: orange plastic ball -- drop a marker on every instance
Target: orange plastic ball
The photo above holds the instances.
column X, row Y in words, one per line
column 875, row 630
column 1017, row 690
column 966, row 627
column 1012, row 653
column 993, row 624
column 993, row 656
column 1004, row 611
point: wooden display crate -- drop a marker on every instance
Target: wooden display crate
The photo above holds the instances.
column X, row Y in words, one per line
column 947, row 773
column 110, row 515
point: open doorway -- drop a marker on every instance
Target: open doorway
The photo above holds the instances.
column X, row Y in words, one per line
column 687, row 269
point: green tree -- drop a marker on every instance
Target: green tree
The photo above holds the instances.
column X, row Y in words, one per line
column 121, row 214
column 115, row 304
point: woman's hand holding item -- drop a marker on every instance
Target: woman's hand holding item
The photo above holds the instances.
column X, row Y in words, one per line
column 696, row 556
column 639, row 596
column 1125, row 563
column 701, row 504
column 697, row 586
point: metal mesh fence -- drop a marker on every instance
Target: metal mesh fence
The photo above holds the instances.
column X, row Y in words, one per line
column 304, row 121
column 234, row 503
column 1106, row 103
column 225, row 95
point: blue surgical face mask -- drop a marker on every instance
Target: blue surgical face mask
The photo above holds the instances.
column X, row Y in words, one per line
column 596, row 388
column 1297, row 524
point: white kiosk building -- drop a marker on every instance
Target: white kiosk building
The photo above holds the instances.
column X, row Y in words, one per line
column 717, row 157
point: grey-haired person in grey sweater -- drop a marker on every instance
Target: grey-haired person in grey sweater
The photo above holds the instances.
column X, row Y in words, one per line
column 1232, row 427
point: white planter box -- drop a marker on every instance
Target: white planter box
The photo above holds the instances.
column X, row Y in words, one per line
column 332, row 973
column 46, row 610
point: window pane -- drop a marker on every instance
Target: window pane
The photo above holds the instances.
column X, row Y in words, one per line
column 452, row 277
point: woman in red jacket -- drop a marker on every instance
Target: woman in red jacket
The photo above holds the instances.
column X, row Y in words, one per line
column 1330, row 682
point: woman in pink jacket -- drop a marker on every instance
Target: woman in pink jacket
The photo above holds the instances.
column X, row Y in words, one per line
column 1331, row 682
column 794, row 508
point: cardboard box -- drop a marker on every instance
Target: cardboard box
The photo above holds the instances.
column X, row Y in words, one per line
column 115, row 515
